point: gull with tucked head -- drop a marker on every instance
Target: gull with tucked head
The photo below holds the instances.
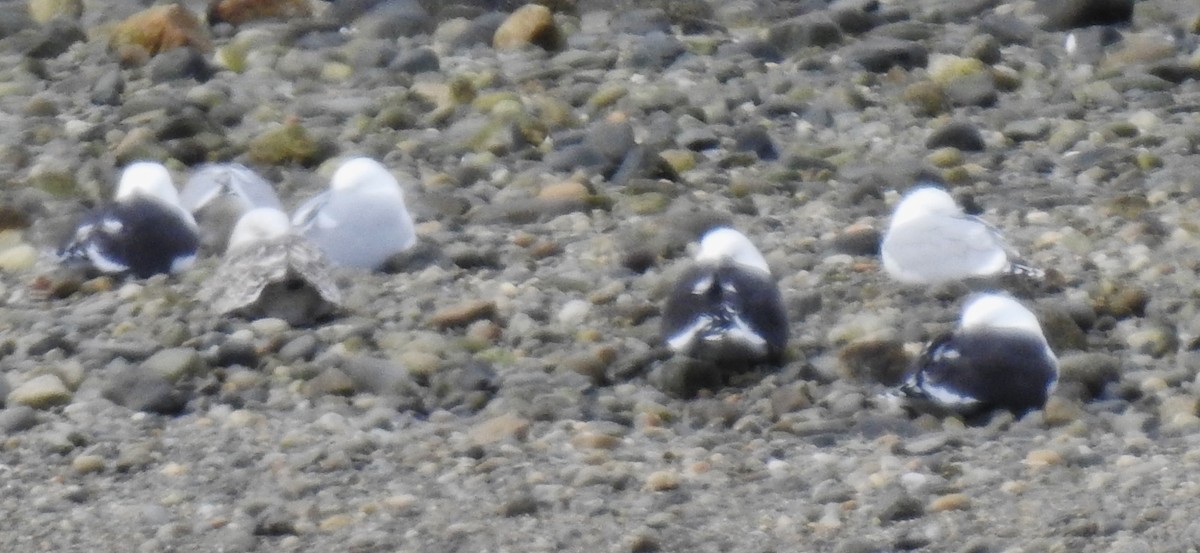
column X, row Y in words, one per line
column 218, row 194
column 143, row 232
column 997, row 358
column 931, row 240
column 726, row 308
column 361, row 221
column 269, row 271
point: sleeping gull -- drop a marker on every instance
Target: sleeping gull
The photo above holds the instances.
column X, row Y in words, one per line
column 361, row 221
column 997, row 358
column 218, row 194
column 269, row 271
column 144, row 231
column 931, row 240
column 726, row 308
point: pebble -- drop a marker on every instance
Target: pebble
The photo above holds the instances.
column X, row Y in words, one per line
column 499, row 428
column 531, row 24
column 1039, row 458
column 463, row 314
column 40, row 392
column 662, row 480
column 18, row 258
column 950, row 502
column 87, row 464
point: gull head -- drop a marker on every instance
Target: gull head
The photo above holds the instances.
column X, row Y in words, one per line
column 363, row 174
column 725, row 244
column 147, row 179
column 258, row 225
column 922, row 201
column 998, row 311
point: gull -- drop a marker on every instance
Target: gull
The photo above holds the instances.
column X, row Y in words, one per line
column 143, row 232
column 930, row 240
column 726, row 308
column 361, row 221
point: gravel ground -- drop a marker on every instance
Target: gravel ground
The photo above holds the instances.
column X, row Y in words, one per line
column 503, row 387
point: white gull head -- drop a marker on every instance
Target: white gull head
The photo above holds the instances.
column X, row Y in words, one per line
column 362, row 174
column 999, row 311
column 259, row 225
column 150, row 179
column 922, row 201
column 725, row 244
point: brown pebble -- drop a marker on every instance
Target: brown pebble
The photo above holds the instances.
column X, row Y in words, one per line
column 463, row 314
column 236, row 12
column 595, row 440
column 530, row 24
column 950, row 502
column 161, row 28
column 336, row 522
column 499, row 429
column 662, row 480
column 1043, row 457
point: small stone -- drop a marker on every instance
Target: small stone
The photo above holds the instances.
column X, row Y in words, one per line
column 237, row 12
column 1043, row 457
column 662, row 480
column 530, row 24
column 161, row 28
column 500, row 428
column 289, row 143
column 1060, row 411
column 179, row 63
column 40, row 392
column 18, row 258
column 595, row 440
column 900, row 506
column 946, row 68
column 175, row 364
column 950, row 502
column 815, row 29
column 87, row 464
column 564, row 191
column 882, row 361
column 960, row 135
column 463, row 314
column 332, row 381
column 926, row 98
column 945, row 157
column 334, row 523
column 15, row 418
column 42, row 11
column 523, row 504
column 1070, row 14
column 145, row 391
column 878, row 55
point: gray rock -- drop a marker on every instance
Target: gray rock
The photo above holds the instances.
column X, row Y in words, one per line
column 641, row 22
column 1070, row 14
column 1007, row 29
column 810, row 30
column 175, row 364
column 416, row 60
column 976, row 89
column 655, row 50
column 142, row 390
column 755, row 139
column 881, row 54
column 179, row 63
column 896, row 505
column 959, row 134
column 17, row 418
column 55, row 38
column 107, row 89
